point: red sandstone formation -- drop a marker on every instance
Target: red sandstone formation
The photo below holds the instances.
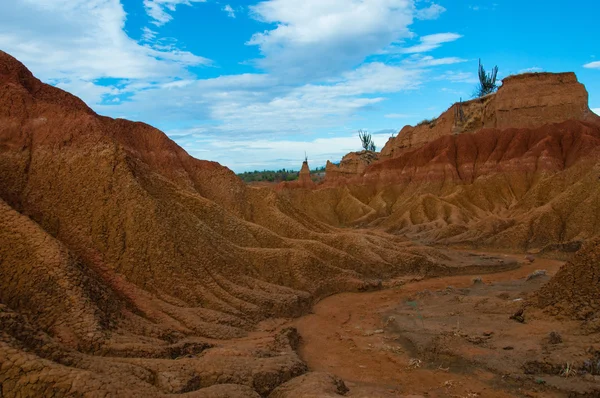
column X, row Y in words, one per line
column 529, row 100
column 129, row 268
column 120, row 253
column 530, row 187
column 353, row 164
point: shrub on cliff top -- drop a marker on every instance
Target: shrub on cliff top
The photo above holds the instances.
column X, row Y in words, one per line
column 487, row 81
column 366, row 141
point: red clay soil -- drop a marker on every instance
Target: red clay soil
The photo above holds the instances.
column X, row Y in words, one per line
column 451, row 337
column 129, row 268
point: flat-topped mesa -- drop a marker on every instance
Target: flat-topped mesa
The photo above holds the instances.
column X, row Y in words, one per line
column 523, row 101
column 352, row 165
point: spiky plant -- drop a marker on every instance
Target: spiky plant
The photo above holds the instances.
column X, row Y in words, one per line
column 487, row 81
column 366, row 141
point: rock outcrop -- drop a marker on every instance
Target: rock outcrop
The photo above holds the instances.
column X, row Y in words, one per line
column 480, row 181
column 528, row 100
column 304, row 178
column 352, row 165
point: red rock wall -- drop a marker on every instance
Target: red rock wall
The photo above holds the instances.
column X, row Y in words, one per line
column 523, row 101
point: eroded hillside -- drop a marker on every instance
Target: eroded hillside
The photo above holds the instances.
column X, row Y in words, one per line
column 116, row 244
column 129, row 268
column 529, row 181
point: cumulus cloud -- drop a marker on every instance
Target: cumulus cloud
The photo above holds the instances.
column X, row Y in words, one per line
column 592, row 65
column 159, row 10
column 318, row 38
column 263, row 104
column 315, row 76
column 596, row 111
column 77, row 42
column 431, row 42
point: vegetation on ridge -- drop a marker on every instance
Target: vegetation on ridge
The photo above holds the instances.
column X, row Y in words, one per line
column 366, row 141
column 431, row 122
column 487, row 82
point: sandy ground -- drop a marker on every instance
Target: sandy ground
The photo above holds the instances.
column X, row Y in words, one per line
column 448, row 337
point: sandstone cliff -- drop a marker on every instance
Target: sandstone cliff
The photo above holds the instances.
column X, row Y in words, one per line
column 523, row 101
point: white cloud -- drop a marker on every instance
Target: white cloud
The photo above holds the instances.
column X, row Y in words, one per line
column 431, row 12
column 87, row 91
column 322, row 44
column 423, row 61
column 84, row 39
column 431, row 42
column 277, row 153
column 159, row 10
column 230, row 11
column 593, row 65
column 259, row 104
column 596, row 111
column 77, row 42
column 324, row 37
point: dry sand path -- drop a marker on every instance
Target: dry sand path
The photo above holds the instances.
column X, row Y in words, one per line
column 456, row 332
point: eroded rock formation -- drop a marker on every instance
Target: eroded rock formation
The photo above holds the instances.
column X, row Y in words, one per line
column 127, row 267
column 521, row 172
column 528, row 100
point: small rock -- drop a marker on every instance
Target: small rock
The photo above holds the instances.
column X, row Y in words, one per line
column 554, row 338
column 518, row 316
column 537, row 274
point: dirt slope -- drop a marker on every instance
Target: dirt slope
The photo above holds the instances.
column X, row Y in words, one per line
column 129, row 268
column 512, row 188
column 120, row 253
column 575, row 290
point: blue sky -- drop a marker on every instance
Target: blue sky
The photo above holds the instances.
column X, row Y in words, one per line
column 255, row 84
